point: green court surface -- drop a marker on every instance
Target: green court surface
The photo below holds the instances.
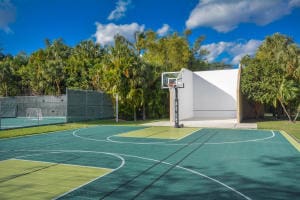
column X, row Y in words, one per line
column 8, row 123
column 135, row 162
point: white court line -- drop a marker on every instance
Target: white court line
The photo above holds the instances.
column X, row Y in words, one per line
column 52, row 163
column 143, row 158
column 120, row 142
column 163, row 143
column 168, row 143
column 191, row 171
column 243, row 141
column 79, row 151
column 178, row 139
column 121, row 165
column 69, row 151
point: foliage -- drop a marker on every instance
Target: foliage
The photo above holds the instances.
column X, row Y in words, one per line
column 130, row 69
column 272, row 76
column 10, row 80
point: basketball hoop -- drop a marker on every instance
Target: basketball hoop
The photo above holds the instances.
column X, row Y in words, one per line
column 173, row 81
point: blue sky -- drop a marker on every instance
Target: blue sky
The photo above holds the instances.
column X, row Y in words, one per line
column 232, row 28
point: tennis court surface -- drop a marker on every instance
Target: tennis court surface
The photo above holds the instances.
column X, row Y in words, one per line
column 136, row 162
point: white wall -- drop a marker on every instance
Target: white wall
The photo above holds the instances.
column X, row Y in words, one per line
column 215, row 94
column 186, row 96
column 208, row 94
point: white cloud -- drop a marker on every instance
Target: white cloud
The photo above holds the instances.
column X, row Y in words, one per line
column 105, row 32
column 163, row 30
column 235, row 50
column 7, row 15
column 225, row 16
column 120, row 10
column 216, row 49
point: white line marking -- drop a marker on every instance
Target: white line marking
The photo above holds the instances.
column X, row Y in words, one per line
column 178, row 139
column 52, row 163
column 120, row 142
column 122, row 164
column 108, row 139
column 143, row 158
column 243, row 141
column 191, row 171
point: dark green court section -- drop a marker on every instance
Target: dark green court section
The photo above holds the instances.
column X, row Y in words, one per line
column 208, row 164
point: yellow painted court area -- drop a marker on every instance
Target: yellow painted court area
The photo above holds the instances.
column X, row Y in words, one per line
column 24, row 179
column 161, row 133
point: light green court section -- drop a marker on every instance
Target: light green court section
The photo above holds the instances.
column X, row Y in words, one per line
column 24, row 179
column 291, row 140
column 161, row 133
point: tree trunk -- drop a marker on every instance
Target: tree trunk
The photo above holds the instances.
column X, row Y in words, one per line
column 257, row 107
column 296, row 117
column 285, row 111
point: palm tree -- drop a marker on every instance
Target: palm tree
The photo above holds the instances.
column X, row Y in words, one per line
column 287, row 92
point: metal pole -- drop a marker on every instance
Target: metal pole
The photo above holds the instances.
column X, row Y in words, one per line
column 176, row 109
column 117, row 108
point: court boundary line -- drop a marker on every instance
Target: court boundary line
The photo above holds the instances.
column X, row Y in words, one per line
column 80, row 151
column 169, row 142
column 161, row 143
column 245, row 141
column 291, row 140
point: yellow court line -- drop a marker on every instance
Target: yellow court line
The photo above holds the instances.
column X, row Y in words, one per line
column 293, row 142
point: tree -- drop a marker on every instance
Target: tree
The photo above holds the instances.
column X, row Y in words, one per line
column 81, row 63
column 44, row 73
column 271, row 76
column 57, row 54
column 10, row 79
column 288, row 91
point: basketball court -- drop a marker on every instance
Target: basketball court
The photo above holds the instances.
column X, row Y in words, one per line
column 138, row 162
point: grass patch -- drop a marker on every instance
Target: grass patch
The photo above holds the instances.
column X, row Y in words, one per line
column 291, row 128
column 61, row 127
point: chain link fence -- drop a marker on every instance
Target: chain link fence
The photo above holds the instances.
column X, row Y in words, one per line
column 75, row 106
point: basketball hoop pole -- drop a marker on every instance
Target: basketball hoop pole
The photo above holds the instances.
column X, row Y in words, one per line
column 173, row 80
column 176, row 109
